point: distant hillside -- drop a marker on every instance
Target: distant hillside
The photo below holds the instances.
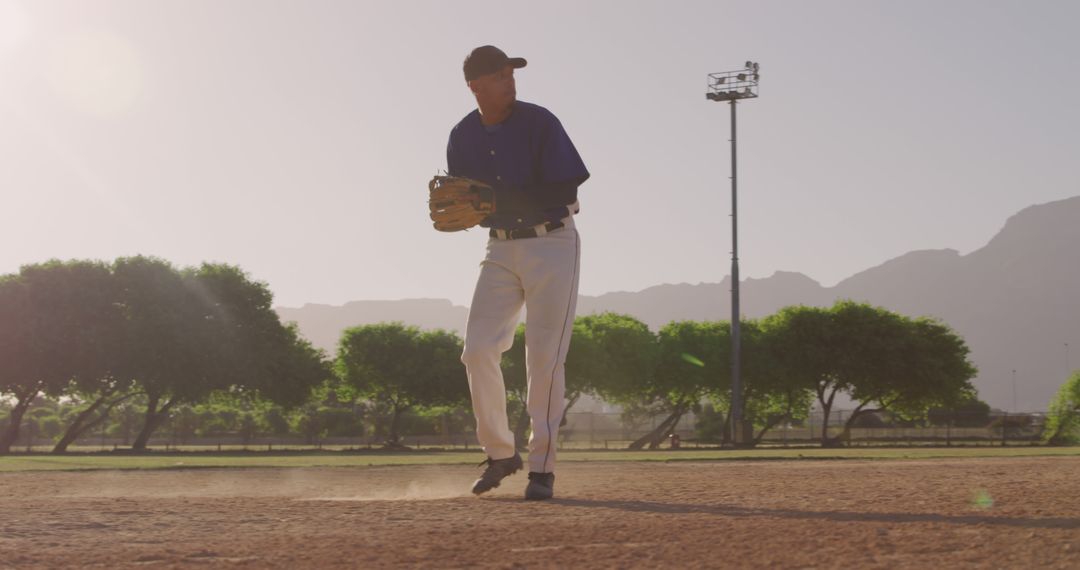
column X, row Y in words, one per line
column 323, row 324
column 1016, row 301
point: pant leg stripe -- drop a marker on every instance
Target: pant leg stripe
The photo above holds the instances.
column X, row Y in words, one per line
column 558, row 349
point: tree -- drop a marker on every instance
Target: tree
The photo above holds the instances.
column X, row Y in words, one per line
column 193, row 332
column 772, row 394
column 585, row 363
column 870, row 356
column 970, row 412
column 616, row 355
column 709, row 424
column 401, row 367
column 255, row 354
column 804, row 347
column 17, row 375
column 689, row 359
column 99, row 330
column 166, row 339
column 1063, row 415
column 56, row 322
column 95, row 411
column 906, row 366
column 880, row 359
column 515, row 380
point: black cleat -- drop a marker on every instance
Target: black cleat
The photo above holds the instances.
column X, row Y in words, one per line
column 541, row 486
column 497, row 470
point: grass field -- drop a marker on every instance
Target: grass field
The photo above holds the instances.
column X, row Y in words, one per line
column 97, row 461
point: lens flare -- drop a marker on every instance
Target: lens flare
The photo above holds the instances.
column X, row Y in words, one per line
column 981, row 499
column 14, row 27
column 692, row 359
column 96, row 72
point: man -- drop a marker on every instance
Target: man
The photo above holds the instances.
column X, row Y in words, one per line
column 522, row 151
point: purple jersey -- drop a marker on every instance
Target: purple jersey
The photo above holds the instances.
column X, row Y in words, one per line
column 528, row 153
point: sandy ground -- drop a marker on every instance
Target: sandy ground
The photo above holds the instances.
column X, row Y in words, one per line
column 1002, row 513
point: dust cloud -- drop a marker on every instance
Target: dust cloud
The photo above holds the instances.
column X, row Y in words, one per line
column 337, row 484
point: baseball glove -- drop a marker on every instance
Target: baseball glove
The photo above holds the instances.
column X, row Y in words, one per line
column 458, row 203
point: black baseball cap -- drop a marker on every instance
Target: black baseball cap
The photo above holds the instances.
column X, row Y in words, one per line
column 489, row 59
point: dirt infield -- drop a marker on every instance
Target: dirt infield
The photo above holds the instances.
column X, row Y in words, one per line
column 1019, row 512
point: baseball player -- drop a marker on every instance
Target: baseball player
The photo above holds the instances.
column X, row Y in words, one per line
column 522, row 152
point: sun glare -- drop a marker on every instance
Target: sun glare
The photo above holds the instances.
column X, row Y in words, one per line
column 97, row 72
column 14, row 27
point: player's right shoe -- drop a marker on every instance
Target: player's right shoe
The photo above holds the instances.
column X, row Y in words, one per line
column 541, row 486
column 497, row 470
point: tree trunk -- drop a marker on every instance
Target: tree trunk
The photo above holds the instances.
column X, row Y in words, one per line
column 859, row 411
column 521, row 442
column 81, row 425
column 768, row 426
column 654, row 437
column 640, row 442
column 77, row 426
column 569, row 402
column 725, row 428
column 660, row 437
column 393, row 439
column 154, row 419
column 11, row 431
column 826, row 406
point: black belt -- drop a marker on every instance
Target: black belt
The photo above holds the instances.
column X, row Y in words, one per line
column 522, row 233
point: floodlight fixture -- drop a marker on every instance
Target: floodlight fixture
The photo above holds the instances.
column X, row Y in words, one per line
column 743, row 83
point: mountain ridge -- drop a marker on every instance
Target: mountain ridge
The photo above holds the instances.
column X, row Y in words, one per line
column 1016, row 301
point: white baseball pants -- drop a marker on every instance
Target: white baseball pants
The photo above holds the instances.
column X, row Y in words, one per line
column 541, row 274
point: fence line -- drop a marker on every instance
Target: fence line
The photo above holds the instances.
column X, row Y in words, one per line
column 607, row 430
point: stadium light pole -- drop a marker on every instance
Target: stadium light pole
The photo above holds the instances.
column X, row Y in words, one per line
column 1014, row 390
column 733, row 86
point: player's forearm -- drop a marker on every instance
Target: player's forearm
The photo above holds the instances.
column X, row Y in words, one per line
column 536, row 196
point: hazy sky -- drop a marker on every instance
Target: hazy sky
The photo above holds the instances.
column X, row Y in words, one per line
column 295, row 139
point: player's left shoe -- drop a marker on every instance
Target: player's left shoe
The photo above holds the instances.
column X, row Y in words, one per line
column 497, row 470
column 541, row 486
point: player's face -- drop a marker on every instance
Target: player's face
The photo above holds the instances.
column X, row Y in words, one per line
column 495, row 89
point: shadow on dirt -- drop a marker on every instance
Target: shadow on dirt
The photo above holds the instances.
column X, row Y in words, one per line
column 838, row 516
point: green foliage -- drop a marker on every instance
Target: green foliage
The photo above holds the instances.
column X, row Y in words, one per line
column 880, row 359
column 678, row 379
column 196, row 331
column 613, row 355
column 332, row 421
column 98, row 332
column 57, row 322
column 276, row 422
column 772, row 394
column 609, row 353
column 514, row 370
column 1063, row 416
column 201, row 351
column 666, row 382
column 967, row 413
column 400, row 367
column 709, row 425
column 936, row 370
column 57, row 325
column 126, row 419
